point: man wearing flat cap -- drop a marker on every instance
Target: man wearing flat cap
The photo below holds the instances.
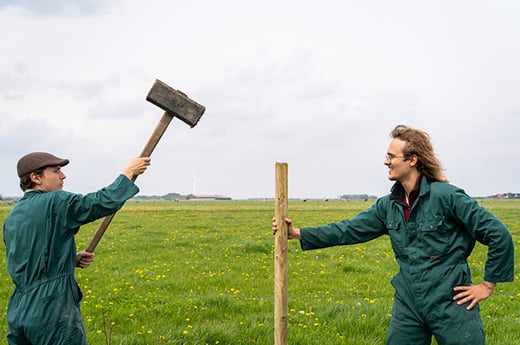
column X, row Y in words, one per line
column 41, row 251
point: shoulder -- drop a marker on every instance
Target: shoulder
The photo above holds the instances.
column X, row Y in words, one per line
column 60, row 198
column 443, row 188
column 383, row 199
column 450, row 196
column 382, row 204
column 40, row 197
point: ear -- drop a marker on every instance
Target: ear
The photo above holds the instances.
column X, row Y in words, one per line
column 35, row 178
column 414, row 160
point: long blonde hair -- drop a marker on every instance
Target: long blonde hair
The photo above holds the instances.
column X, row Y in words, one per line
column 419, row 144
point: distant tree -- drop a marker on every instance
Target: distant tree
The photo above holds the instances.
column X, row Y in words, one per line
column 173, row 196
column 357, row 197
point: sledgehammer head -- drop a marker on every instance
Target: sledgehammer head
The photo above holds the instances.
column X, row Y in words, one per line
column 175, row 103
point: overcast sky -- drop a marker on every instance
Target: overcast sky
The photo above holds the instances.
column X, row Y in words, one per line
column 316, row 84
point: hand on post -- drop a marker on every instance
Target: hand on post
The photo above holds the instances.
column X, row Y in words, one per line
column 292, row 232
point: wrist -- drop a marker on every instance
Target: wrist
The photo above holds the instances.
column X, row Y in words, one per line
column 489, row 285
column 128, row 174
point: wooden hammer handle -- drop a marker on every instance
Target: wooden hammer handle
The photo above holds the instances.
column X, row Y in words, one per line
column 99, row 233
column 147, row 152
column 156, row 135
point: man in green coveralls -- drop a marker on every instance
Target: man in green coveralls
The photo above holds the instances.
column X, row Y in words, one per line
column 41, row 251
column 433, row 227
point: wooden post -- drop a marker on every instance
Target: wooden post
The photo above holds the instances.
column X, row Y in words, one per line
column 280, row 256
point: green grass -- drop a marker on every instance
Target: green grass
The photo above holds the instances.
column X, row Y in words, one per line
column 195, row 272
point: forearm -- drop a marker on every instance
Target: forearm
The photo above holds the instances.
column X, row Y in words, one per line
column 82, row 209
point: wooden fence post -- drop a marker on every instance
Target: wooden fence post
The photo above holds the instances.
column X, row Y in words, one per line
column 280, row 256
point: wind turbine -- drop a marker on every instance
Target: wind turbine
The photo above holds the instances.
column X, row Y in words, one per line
column 195, row 180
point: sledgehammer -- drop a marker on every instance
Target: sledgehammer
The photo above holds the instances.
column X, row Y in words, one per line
column 176, row 104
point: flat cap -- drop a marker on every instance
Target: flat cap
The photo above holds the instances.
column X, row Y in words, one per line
column 36, row 160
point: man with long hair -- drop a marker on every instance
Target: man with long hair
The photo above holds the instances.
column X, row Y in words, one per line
column 433, row 227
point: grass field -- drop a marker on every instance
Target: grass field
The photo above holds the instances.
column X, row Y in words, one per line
column 197, row 272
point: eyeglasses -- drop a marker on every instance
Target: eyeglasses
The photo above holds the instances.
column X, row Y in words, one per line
column 390, row 156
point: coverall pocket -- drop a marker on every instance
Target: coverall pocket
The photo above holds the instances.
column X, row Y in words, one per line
column 433, row 236
column 61, row 320
column 52, row 308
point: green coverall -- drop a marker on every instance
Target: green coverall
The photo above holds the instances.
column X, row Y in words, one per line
column 39, row 238
column 431, row 250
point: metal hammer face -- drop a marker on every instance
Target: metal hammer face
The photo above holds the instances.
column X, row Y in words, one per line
column 175, row 103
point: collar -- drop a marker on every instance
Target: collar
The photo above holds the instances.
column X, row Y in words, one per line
column 29, row 192
column 398, row 194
